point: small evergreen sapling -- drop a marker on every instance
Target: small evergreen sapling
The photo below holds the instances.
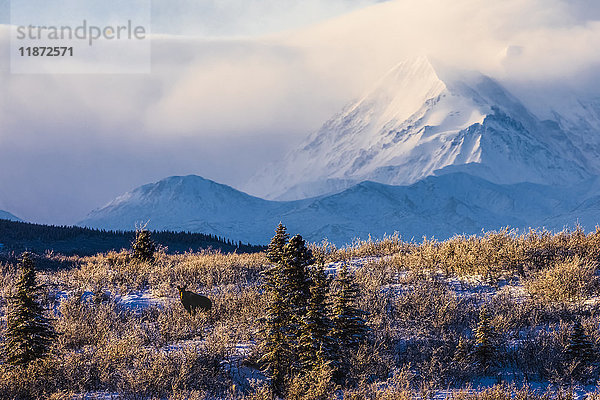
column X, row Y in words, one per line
column 485, row 345
column 462, row 359
column 29, row 332
column 143, row 246
column 579, row 352
column 462, row 354
column 579, row 346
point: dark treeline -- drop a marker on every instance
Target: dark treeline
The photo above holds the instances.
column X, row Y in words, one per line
column 74, row 240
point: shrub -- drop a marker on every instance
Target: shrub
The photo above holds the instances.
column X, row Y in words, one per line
column 571, row 280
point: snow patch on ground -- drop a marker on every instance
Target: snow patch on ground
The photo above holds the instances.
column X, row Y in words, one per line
column 241, row 373
column 133, row 301
column 353, row 264
column 183, row 344
column 139, row 301
column 97, row 396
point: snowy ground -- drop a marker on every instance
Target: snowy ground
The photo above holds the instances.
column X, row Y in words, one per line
column 243, row 375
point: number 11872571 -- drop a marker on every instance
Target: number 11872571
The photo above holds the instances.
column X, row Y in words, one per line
column 46, row 51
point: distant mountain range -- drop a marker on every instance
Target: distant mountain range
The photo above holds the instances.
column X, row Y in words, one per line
column 428, row 151
column 439, row 206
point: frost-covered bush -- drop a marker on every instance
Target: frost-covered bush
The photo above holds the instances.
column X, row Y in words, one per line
column 571, row 280
column 422, row 302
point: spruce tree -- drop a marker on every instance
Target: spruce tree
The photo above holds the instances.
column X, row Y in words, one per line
column 485, row 346
column 275, row 346
column 296, row 259
column 295, row 292
column 29, row 332
column 287, row 286
column 275, row 249
column 349, row 328
column 276, row 351
column 275, row 257
column 579, row 350
column 143, row 246
column 315, row 342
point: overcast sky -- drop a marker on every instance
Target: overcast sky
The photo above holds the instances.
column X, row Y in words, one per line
column 245, row 80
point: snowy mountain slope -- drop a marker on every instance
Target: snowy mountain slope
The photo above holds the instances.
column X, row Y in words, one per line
column 578, row 115
column 438, row 206
column 586, row 212
column 418, row 120
column 8, row 216
column 188, row 203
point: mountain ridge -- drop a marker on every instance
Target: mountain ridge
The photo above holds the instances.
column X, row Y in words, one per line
column 440, row 206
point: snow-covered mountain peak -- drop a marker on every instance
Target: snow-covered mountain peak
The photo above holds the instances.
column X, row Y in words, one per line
column 419, row 81
column 183, row 189
column 184, row 200
column 423, row 119
column 403, row 90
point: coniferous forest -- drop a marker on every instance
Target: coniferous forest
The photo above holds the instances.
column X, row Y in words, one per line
column 74, row 240
column 497, row 316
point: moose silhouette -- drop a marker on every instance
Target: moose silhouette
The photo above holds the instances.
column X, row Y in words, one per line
column 192, row 301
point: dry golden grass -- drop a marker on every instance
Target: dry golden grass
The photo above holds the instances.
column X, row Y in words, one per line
column 534, row 284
